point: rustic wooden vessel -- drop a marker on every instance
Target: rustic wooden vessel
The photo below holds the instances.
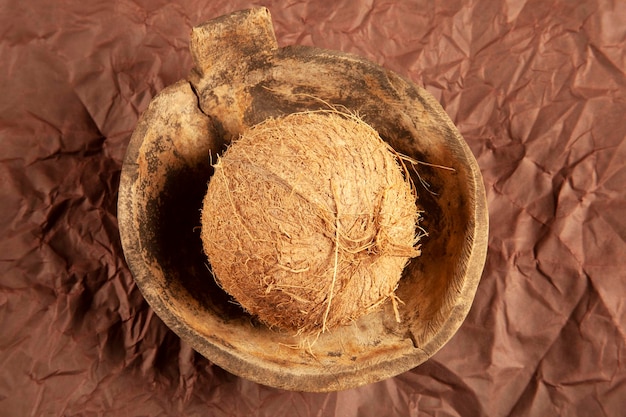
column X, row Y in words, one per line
column 240, row 78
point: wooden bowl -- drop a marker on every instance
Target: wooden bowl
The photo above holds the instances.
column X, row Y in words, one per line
column 240, row 78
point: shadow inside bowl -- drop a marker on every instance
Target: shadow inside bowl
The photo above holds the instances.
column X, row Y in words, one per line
column 177, row 242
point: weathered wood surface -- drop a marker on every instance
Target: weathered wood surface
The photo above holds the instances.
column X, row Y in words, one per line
column 240, row 78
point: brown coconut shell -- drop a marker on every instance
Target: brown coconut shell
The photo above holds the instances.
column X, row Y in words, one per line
column 308, row 221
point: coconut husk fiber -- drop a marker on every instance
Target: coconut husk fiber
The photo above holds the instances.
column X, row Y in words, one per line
column 309, row 220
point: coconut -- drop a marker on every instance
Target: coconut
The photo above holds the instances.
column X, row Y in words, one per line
column 309, row 221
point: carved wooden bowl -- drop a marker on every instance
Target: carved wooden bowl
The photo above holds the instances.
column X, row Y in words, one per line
column 240, row 78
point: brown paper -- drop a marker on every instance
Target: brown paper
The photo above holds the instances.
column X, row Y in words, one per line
column 538, row 90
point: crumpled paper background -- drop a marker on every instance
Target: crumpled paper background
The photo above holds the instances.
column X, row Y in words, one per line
column 538, row 90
